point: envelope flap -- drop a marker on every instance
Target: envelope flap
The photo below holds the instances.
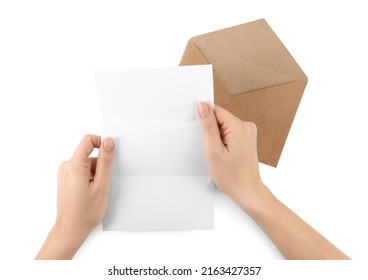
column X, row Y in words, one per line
column 246, row 76
column 249, row 57
column 193, row 56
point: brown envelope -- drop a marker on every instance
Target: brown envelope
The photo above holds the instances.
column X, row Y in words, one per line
column 255, row 78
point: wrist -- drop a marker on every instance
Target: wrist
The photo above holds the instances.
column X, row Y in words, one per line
column 71, row 238
column 61, row 244
column 258, row 200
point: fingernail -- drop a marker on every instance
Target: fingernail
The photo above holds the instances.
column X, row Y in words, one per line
column 203, row 109
column 108, row 144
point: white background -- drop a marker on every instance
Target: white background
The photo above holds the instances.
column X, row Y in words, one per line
column 48, row 100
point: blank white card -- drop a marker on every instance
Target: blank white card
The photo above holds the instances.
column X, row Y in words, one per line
column 160, row 179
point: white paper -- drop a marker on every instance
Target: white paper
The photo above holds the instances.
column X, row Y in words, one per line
column 159, row 180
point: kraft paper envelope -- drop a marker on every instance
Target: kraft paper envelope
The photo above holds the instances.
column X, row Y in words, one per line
column 255, row 77
column 159, row 178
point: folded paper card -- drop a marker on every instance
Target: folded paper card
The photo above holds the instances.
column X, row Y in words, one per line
column 255, row 78
column 159, row 179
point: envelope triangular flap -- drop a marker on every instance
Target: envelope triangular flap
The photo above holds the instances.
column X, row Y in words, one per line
column 248, row 57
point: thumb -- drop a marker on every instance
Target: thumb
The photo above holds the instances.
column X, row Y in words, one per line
column 211, row 134
column 104, row 162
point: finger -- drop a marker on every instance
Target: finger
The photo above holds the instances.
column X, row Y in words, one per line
column 85, row 147
column 211, row 134
column 224, row 117
column 104, row 162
